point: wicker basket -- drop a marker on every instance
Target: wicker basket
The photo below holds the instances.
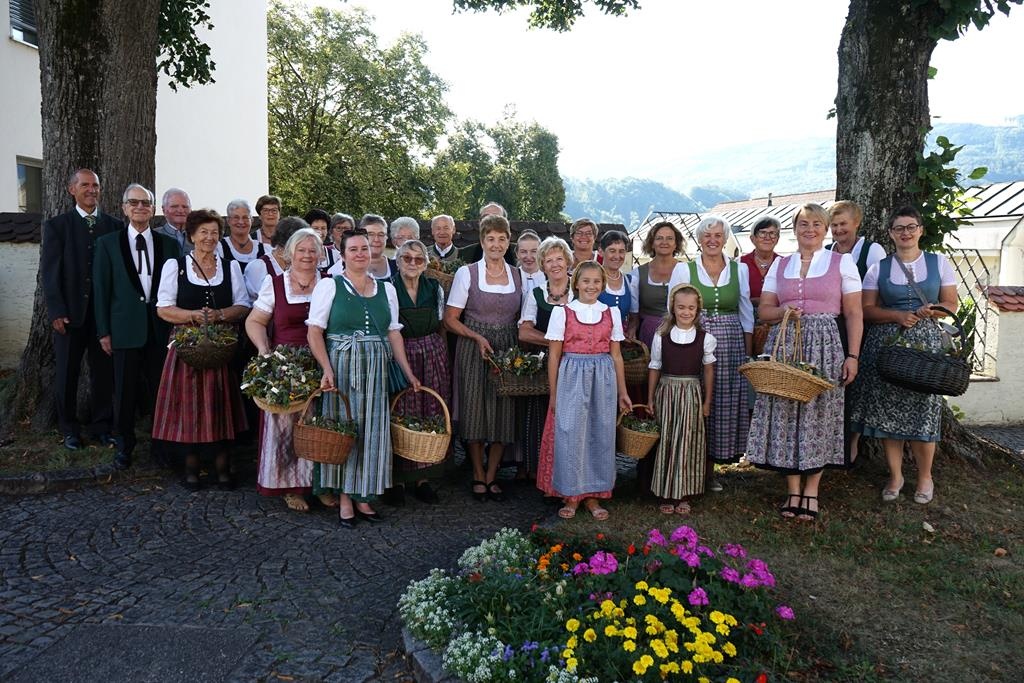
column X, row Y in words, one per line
column 205, row 355
column 293, row 407
column 926, row 372
column 421, row 446
column 322, row 445
column 635, row 369
column 442, row 277
column 780, row 379
column 507, row 384
column 633, row 443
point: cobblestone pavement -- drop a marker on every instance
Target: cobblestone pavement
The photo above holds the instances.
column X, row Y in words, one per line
column 1012, row 437
column 149, row 580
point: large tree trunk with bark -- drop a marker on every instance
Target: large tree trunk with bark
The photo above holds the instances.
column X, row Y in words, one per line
column 98, row 74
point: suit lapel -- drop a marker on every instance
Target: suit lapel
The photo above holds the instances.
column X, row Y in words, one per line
column 129, row 263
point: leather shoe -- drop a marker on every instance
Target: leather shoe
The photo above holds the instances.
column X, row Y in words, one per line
column 394, row 496
column 372, row 517
column 106, row 439
column 425, row 494
column 347, row 522
column 122, row 460
column 72, row 442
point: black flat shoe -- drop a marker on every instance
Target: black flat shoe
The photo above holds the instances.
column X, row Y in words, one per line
column 424, row 493
column 72, row 443
column 192, row 485
column 496, row 495
column 394, row 496
column 371, row 517
column 479, row 495
column 347, row 522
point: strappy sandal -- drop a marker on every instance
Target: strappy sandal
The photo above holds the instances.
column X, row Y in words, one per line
column 683, row 508
column 296, row 502
column 596, row 511
column 667, row 509
column 494, row 492
column 567, row 512
column 806, row 513
column 790, row 511
column 481, row 496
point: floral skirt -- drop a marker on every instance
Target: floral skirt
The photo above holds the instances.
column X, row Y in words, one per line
column 794, row 437
column 885, row 411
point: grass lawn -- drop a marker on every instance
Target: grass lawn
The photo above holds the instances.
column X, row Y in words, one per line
column 882, row 591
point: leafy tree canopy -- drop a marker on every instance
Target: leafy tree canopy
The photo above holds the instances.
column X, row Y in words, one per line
column 183, row 56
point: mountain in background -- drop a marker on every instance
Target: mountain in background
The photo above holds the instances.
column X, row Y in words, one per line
column 699, row 182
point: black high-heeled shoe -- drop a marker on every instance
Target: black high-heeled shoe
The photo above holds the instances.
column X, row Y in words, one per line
column 347, row 522
column 372, row 517
column 494, row 493
column 480, row 496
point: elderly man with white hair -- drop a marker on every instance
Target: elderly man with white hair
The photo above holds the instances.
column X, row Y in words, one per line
column 728, row 315
column 176, row 206
column 442, row 229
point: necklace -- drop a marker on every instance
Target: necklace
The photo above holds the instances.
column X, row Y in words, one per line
column 555, row 299
column 302, row 285
column 762, row 264
column 618, row 276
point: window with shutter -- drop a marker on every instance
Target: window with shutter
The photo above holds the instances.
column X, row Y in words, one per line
column 23, row 22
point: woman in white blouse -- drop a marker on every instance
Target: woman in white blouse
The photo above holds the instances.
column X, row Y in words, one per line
column 239, row 244
column 894, row 306
column 200, row 410
column 724, row 285
column 279, row 317
column 275, row 261
column 358, row 315
column 800, row 439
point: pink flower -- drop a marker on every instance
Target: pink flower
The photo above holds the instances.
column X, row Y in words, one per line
column 734, row 550
column 704, row 550
column 785, row 612
column 603, row 563
column 698, row 597
column 684, row 533
column 655, row 537
column 691, row 559
column 730, row 574
column 581, row 568
column 750, row 581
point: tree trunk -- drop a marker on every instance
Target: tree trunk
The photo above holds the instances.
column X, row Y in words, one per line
column 882, row 105
column 98, row 75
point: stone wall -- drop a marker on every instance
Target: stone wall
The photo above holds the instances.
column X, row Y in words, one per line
column 17, row 287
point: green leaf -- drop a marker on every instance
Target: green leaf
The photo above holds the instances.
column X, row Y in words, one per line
column 932, row 71
column 978, row 173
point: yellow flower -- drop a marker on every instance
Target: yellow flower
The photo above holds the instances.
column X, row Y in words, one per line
column 651, row 630
column 629, row 632
column 659, row 648
column 638, row 668
column 686, row 666
column 590, row 635
column 729, row 649
column 717, row 617
column 703, row 679
column 641, row 585
column 572, row 625
column 518, row 362
column 723, row 629
column 567, row 653
column 732, row 680
column 639, row 600
column 647, row 660
column 731, row 620
column 609, row 631
column 607, row 607
column 572, row 642
column 571, row 663
column 629, row 646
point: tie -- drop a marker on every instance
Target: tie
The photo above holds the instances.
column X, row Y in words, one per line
column 90, row 221
column 140, row 246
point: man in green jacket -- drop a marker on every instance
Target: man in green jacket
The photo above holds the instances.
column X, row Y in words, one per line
column 126, row 278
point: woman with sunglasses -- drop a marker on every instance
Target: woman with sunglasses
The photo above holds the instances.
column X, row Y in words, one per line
column 421, row 312
column 901, row 294
column 353, row 332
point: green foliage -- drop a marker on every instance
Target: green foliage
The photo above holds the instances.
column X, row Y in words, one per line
column 184, row 57
column 350, row 121
column 512, row 163
column 967, row 314
column 954, row 17
column 939, row 193
column 554, row 14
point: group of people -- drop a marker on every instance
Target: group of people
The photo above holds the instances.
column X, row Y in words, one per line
column 116, row 291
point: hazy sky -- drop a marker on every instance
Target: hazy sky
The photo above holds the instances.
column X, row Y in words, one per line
column 626, row 95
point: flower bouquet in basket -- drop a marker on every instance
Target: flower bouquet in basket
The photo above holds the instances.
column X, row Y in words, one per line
column 518, row 373
column 323, row 439
column 282, row 381
column 421, row 439
column 444, row 272
column 205, row 346
column 783, row 374
column 635, row 436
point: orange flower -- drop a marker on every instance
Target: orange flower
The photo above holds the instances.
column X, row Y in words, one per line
column 577, row 557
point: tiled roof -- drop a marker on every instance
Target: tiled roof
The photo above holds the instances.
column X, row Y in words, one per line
column 1006, row 298
column 818, row 197
column 20, row 227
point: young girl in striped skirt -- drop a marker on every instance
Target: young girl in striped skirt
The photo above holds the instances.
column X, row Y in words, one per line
column 681, row 353
column 577, row 456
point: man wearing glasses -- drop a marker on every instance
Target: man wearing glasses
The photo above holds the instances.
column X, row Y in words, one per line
column 176, row 206
column 126, row 277
column 66, row 264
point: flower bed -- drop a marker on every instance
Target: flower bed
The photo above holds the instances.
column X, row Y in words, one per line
column 538, row 608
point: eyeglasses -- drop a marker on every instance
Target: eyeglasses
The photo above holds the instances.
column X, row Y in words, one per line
column 583, row 233
column 900, row 229
column 375, row 235
column 767, row 235
column 413, row 260
column 139, row 202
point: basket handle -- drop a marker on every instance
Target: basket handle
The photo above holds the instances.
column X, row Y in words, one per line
column 780, row 339
column 624, row 413
column 444, row 407
column 318, row 392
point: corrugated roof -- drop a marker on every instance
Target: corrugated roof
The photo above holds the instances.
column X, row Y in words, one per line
column 761, row 203
column 998, row 199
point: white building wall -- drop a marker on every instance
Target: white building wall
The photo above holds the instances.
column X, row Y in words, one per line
column 19, row 115
column 998, row 402
column 212, row 139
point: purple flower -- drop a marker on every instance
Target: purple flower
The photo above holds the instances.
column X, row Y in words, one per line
column 691, row 559
column 684, row 533
column 603, row 563
column 730, row 574
column 544, row 655
column 698, row 597
column 704, row 550
column 581, row 568
column 529, row 645
column 508, row 653
column 750, row 581
column 785, row 612
column 757, row 565
column 655, row 537
column 734, row 550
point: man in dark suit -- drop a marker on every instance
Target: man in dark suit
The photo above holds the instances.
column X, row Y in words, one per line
column 442, row 229
column 126, row 279
column 66, row 264
column 176, row 206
